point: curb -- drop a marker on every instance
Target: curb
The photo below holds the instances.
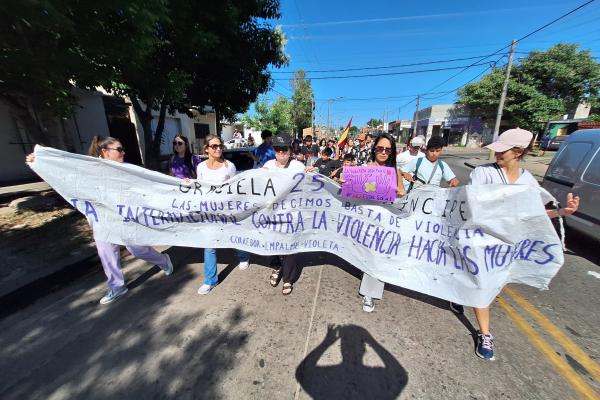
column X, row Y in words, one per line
column 29, row 293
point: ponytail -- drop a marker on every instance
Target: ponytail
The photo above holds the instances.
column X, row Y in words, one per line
column 99, row 143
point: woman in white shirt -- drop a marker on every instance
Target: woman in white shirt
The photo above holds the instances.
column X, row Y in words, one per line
column 289, row 270
column 511, row 146
column 216, row 170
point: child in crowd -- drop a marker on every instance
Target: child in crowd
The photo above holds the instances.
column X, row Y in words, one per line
column 348, row 161
column 325, row 165
column 429, row 170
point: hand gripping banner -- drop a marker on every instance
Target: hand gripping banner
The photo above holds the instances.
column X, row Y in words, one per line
column 462, row 244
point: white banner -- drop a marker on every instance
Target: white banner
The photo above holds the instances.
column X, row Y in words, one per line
column 462, row 244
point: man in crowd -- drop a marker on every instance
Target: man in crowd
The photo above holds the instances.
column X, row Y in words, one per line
column 308, row 150
column 363, row 153
column 264, row 152
column 414, row 151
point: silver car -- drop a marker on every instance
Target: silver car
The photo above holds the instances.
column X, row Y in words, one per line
column 576, row 168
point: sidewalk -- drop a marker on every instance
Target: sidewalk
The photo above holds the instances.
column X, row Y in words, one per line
column 33, row 262
column 532, row 163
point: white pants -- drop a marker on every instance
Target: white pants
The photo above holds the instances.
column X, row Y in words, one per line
column 371, row 287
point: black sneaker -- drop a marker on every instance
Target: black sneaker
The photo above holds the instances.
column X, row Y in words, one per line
column 457, row 308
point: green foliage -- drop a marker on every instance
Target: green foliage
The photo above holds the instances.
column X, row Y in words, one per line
column 374, row 122
column 277, row 117
column 543, row 86
column 164, row 55
column 303, row 102
column 354, row 130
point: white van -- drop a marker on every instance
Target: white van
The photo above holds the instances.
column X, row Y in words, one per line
column 576, row 168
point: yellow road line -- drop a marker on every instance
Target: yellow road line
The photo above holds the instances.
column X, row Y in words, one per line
column 576, row 381
column 567, row 344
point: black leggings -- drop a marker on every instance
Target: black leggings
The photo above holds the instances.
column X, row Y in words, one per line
column 288, row 266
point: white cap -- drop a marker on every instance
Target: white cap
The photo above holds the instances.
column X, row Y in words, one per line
column 511, row 138
column 417, row 141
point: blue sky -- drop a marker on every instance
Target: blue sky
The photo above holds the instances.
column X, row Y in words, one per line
column 333, row 35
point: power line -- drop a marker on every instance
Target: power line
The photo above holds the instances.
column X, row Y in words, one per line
column 382, row 74
column 380, row 67
column 492, row 65
column 516, row 41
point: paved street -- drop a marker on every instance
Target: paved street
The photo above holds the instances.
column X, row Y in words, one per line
column 246, row 341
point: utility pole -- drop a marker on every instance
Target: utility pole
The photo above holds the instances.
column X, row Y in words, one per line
column 312, row 116
column 415, row 118
column 503, row 95
column 328, row 107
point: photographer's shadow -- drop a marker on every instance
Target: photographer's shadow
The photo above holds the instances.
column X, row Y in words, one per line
column 351, row 379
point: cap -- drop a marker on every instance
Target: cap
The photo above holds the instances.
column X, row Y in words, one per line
column 282, row 139
column 417, row 141
column 511, row 138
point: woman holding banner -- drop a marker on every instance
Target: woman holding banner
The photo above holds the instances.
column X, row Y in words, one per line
column 510, row 148
column 216, row 170
column 111, row 149
column 383, row 154
column 183, row 163
column 289, row 271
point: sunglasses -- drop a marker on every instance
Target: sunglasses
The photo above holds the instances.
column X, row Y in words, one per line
column 178, row 143
column 119, row 149
column 216, row 146
column 381, row 149
column 280, row 148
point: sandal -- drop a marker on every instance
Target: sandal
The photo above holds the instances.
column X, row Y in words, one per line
column 287, row 288
column 275, row 277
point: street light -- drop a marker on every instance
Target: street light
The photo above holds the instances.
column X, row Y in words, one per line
column 329, row 102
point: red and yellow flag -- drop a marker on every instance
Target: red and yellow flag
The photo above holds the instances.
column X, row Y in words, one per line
column 344, row 137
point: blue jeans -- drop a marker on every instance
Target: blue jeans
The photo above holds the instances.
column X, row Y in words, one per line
column 210, row 264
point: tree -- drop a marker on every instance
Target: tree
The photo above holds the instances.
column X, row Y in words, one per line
column 303, row 102
column 544, row 86
column 354, row 130
column 47, row 47
column 277, row 118
column 164, row 56
column 374, row 122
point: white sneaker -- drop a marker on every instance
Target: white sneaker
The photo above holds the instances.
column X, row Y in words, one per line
column 205, row 288
column 113, row 294
column 243, row 265
column 168, row 270
column 368, row 305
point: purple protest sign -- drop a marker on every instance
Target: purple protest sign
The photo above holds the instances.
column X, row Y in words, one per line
column 371, row 183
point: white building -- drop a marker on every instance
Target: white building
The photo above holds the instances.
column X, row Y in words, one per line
column 96, row 113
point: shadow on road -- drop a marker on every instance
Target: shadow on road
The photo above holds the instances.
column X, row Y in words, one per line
column 133, row 348
column 351, row 379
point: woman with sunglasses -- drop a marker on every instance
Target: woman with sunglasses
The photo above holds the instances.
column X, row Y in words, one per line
column 216, row 170
column 287, row 268
column 383, row 154
column 183, row 163
column 111, row 149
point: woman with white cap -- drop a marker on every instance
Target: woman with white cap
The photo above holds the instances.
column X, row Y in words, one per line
column 510, row 148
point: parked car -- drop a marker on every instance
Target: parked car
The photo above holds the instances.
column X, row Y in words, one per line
column 233, row 143
column 576, row 168
column 555, row 142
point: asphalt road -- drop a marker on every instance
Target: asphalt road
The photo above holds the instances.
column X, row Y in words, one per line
column 247, row 341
